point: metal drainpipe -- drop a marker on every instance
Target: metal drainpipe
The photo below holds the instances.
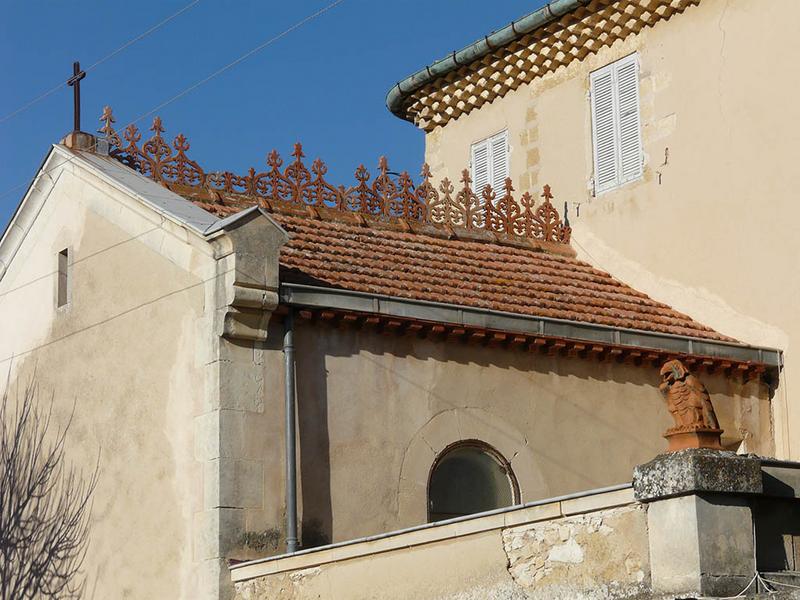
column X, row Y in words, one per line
column 291, row 442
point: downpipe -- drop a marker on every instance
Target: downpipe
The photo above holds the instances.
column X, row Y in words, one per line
column 291, row 440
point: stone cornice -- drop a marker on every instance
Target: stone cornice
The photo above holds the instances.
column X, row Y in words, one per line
column 557, row 43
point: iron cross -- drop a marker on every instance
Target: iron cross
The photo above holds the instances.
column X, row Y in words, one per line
column 75, row 82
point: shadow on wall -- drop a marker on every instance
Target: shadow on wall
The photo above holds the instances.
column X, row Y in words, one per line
column 349, row 342
column 314, row 442
column 625, row 406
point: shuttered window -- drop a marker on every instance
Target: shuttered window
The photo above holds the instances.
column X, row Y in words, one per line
column 616, row 124
column 489, row 162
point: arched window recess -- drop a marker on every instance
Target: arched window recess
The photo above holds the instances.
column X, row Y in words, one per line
column 469, row 477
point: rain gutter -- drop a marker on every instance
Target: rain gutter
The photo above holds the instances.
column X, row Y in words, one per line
column 515, row 30
column 314, row 297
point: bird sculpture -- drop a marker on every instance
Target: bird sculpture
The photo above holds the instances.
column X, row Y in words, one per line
column 688, row 402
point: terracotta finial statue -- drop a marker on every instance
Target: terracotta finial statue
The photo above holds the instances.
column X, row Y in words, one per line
column 696, row 425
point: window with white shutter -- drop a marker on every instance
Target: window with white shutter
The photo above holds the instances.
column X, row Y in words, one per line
column 489, row 163
column 616, row 124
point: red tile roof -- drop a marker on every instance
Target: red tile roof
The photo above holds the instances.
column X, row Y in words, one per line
column 369, row 257
column 423, row 243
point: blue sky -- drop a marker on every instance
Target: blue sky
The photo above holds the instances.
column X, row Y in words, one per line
column 324, row 84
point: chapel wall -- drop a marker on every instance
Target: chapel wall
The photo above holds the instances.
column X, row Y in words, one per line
column 126, row 351
column 710, row 228
column 375, row 410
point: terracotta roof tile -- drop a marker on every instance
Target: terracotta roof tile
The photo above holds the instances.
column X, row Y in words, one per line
column 478, row 274
column 388, row 237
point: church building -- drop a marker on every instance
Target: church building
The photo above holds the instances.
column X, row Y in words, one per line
column 303, row 388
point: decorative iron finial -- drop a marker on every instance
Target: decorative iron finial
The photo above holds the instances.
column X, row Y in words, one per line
column 132, row 134
column 527, row 202
column 274, row 159
column 107, row 118
column 426, row 171
column 446, row 186
column 157, row 127
column 181, row 144
column 318, row 167
column 292, row 187
column 298, row 151
column 361, row 173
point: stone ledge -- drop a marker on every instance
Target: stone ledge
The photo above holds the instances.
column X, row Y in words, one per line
column 697, row 470
column 452, row 531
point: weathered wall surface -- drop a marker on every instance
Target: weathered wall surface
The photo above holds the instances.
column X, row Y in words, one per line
column 526, row 553
column 128, row 351
column 710, row 227
column 375, row 410
column 603, row 554
column 475, row 571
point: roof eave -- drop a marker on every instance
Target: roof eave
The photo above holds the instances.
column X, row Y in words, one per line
column 158, row 198
column 396, row 96
column 26, row 212
column 316, row 297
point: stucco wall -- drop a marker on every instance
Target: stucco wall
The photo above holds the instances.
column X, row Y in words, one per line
column 710, row 227
column 374, row 411
column 128, row 351
column 547, row 551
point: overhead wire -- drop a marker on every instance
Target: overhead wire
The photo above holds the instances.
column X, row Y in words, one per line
column 99, row 62
column 195, row 85
column 244, row 57
column 142, row 35
column 127, row 311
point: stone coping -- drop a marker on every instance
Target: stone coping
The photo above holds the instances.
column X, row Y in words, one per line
column 531, row 512
column 781, row 478
column 777, row 462
column 695, row 471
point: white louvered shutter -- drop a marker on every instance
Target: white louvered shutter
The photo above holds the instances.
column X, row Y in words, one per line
column 481, row 162
column 499, row 171
column 630, row 137
column 616, row 124
column 490, row 164
column 604, row 129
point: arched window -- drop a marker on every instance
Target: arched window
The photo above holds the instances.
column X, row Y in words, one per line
column 469, row 477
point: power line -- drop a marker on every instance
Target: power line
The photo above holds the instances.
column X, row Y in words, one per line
column 80, row 260
column 244, row 57
column 96, row 64
column 194, row 86
column 143, row 35
column 118, row 315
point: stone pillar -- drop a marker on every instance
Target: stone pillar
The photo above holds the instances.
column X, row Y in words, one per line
column 699, row 520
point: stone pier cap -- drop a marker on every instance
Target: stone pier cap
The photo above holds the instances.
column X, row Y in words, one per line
column 697, row 471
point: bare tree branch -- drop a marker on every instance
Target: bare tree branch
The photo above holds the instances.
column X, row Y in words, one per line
column 45, row 504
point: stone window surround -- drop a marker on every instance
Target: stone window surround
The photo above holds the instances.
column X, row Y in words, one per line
column 483, row 447
column 453, row 426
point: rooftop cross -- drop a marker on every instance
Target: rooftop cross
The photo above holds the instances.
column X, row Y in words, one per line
column 75, row 83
